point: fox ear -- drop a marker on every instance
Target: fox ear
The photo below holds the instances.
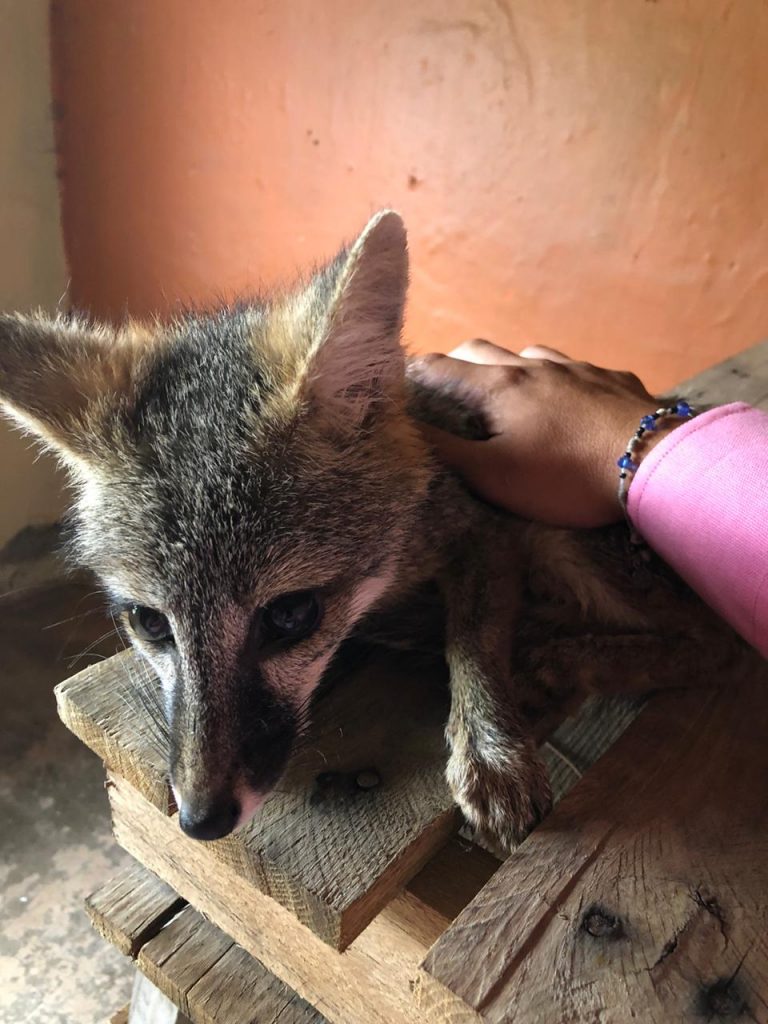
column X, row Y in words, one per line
column 57, row 376
column 356, row 361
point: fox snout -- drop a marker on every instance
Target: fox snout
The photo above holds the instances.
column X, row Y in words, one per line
column 222, row 772
column 209, row 815
column 214, row 815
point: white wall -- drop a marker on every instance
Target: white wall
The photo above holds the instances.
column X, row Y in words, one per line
column 32, row 268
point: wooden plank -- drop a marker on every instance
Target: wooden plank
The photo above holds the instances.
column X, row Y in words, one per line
column 583, row 738
column 231, row 993
column 179, row 955
column 368, row 984
column 742, row 378
column 131, row 908
column 215, row 981
column 121, row 1016
column 335, row 853
column 97, row 703
column 646, row 887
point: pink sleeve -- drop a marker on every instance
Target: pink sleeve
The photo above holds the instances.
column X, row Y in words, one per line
column 700, row 499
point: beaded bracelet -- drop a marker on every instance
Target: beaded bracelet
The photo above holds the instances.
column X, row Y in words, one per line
column 627, row 464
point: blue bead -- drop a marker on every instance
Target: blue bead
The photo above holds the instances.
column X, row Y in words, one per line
column 648, row 422
column 625, row 462
column 683, row 409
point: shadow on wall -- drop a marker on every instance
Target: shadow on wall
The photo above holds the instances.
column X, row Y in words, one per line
column 578, row 172
column 32, row 270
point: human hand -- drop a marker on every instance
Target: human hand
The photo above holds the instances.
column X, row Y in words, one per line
column 557, row 429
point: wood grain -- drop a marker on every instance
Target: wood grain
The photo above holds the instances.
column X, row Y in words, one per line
column 215, row 981
column 334, row 854
column 100, row 704
column 647, row 887
column 370, row 983
column 645, row 894
column 742, row 378
column 132, row 907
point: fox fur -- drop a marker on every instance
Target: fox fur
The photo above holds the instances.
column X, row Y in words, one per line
column 224, row 460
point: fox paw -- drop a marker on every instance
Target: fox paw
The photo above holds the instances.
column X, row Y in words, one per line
column 501, row 787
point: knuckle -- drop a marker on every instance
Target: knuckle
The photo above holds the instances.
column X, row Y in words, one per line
column 513, row 374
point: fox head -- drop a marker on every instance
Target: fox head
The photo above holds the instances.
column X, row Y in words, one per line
column 243, row 484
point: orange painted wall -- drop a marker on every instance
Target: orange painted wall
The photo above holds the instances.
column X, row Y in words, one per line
column 586, row 173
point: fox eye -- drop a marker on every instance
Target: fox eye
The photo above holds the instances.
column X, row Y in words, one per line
column 292, row 617
column 149, row 624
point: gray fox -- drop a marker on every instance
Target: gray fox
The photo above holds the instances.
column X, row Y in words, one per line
column 253, row 488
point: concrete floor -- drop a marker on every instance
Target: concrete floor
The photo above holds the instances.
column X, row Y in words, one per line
column 55, row 840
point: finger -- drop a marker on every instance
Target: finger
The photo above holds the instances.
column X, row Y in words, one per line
column 478, row 350
column 544, row 352
column 476, row 462
column 437, row 370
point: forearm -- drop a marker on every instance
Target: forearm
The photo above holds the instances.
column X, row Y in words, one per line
column 700, row 499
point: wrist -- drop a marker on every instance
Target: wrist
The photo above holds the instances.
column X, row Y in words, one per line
column 651, row 428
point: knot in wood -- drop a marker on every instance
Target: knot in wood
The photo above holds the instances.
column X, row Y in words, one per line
column 602, row 924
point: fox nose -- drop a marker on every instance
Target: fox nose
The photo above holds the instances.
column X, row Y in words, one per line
column 209, row 818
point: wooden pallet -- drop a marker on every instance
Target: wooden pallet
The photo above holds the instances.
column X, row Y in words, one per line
column 643, row 896
column 266, row 909
column 330, row 852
